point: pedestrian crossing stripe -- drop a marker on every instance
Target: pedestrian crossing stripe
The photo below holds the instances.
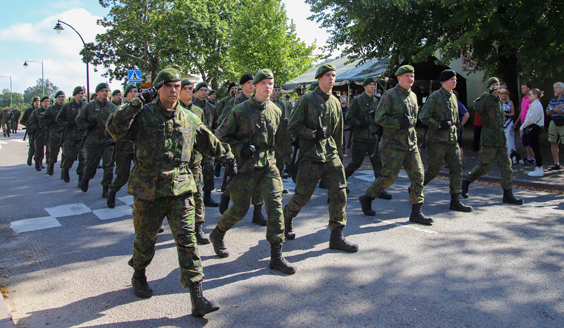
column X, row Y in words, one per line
column 34, row 224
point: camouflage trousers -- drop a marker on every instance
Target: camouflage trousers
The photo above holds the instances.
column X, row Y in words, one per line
column 31, row 150
column 6, row 127
column 279, row 162
column 39, row 140
column 207, row 172
column 392, row 161
column 199, row 207
column 123, row 167
column 332, row 174
column 256, row 198
column 486, row 158
column 93, row 154
column 451, row 155
column 52, row 151
column 269, row 183
column 359, row 150
column 148, row 217
column 15, row 125
column 71, row 151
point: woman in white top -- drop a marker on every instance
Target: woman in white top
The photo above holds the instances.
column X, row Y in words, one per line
column 509, row 111
column 534, row 122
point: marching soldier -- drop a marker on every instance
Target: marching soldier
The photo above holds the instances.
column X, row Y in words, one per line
column 6, row 121
column 212, row 96
column 73, row 135
column 49, row 120
column 231, row 91
column 38, row 132
column 24, row 121
column 15, row 119
column 116, row 98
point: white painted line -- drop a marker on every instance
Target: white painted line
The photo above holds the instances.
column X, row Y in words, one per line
column 128, row 200
column 68, row 210
column 3, row 142
column 18, row 140
column 112, row 213
column 34, row 224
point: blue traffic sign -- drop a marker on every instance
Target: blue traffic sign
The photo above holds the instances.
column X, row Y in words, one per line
column 134, row 76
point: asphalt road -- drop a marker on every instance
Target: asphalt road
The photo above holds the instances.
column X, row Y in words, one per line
column 500, row 266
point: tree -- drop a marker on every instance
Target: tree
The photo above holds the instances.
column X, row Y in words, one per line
column 17, row 99
column 37, row 90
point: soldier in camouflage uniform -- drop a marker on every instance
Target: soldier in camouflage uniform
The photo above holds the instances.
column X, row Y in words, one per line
column 397, row 114
column 210, row 120
column 493, row 143
column 123, row 154
column 212, row 99
column 231, row 91
column 164, row 134
column 15, row 119
column 288, row 106
column 440, row 114
column 253, row 131
column 317, row 124
column 366, row 133
column 92, row 118
column 38, row 132
column 6, row 121
column 24, row 121
column 55, row 133
column 116, row 98
column 73, row 135
column 275, row 98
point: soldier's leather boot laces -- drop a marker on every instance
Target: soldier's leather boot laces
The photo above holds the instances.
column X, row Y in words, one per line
column 457, row 205
column 200, row 304
column 277, row 260
column 418, row 216
column 510, row 199
column 139, row 284
column 288, row 228
column 258, row 218
column 366, row 204
column 223, row 203
column 200, row 235
column 216, row 238
column 338, row 241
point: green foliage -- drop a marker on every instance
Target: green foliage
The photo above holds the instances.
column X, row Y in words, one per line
column 17, row 100
column 37, row 91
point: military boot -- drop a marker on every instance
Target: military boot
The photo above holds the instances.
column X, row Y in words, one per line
column 200, row 235
column 105, row 191
column 62, row 177
column 111, row 202
column 277, row 260
column 139, row 284
column 366, row 204
column 457, row 205
column 288, row 228
column 51, row 169
column 66, row 176
column 216, row 237
column 208, row 201
column 29, row 158
column 510, row 199
column 385, row 195
column 79, row 180
column 258, row 218
column 37, row 166
column 338, row 241
column 418, row 216
column 223, row 203
column 465, row 184
column 200, row 304
column 217, row 169
column 42, row 166
column 84, row 184
column 321, row 185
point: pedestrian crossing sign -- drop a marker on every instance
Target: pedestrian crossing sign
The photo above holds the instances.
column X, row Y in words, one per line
column 134, row 76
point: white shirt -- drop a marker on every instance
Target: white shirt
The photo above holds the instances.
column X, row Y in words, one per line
column 535, row 115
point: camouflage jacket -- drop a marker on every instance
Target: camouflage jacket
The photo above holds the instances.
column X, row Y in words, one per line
column 395, row 104
column 116, row 104
column 122, row 146
column 441, row 106
column 197, row 156
column 305, row 120
column 16, row 114
column 256, row 123
column 359, row 110
column 98, row 112
column 491, row 113
column 221, row 105
column 163, row 140
column 49, row 120
column 68, row 113
column 287, row 109
column 5, row 116
column 210, row 120
column 27, row 115
column 34, row 125
column 230, row 105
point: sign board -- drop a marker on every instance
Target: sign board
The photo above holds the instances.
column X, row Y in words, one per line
column 134, row 76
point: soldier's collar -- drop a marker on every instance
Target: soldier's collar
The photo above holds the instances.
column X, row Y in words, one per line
column 255, row 103
column 321, row 93
column 185, row 104
column 102, row 104
column 402, row 89
column 446, row 91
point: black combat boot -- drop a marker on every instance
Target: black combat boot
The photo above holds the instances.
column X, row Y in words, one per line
column 418, row 216
column 457, row 205
column 338, row 241
column 258, row 218
column 200, row 235
column 111, row 202
column 321, row 185
column 42, row 166
column 385, row 195
column 277, row 260
column 208, row 201
column 465, row 184
column 223, row 203
column 79, row 180
column 139, row 284
column 217, row 169
column 66, row 176
column 51, row 169
column 510, row 199
column 84, row 184
column 105, row 191
column 288, row 228
column 62, row 178
column 216, row 238
column 366, row 203
column 29, row 158
column 200, row 304
column 37, row 166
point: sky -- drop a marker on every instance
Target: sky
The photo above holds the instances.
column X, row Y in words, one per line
column 26, row 33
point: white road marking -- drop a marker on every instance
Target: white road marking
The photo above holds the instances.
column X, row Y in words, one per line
column 112, row 213
column 34, row 224
column 19, row 140
column 3, row 142
column 128, row 200
column 68, row 210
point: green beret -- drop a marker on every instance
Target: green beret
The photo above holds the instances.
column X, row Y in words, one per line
column 263, row 74
column 491, row 81
column 405, row 69
column 211, row 92
column 200, row 85
column 101, row 86
column 44, row 97
column 184, row 83
column 276, row 85
column 77, row 90
column 116, row 91
column 58, row 93
column 367, row 81
column 313, row 85
column 324, row 69
column 34, row 99
column 128, row 88
column 167, row 75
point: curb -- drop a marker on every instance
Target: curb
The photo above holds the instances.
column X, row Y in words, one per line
column 5, row 316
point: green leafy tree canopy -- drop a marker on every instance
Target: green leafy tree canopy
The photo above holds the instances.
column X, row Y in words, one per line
column 37, row 90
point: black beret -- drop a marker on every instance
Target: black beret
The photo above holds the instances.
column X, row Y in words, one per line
column 447, row 74
column 231, row 85
column 245, row 78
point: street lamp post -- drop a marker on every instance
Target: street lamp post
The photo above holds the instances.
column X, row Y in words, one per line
column 42, row 75
column 10, row 77
column 59, row 28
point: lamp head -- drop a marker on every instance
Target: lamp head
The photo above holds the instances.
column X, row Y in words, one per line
column 25, row 64
column 58, row 28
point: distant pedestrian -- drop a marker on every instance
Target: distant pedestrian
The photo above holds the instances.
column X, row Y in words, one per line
column 525, row 102
column 555, row 110
column 509, row 112
column 463, row 116
column 533, row 125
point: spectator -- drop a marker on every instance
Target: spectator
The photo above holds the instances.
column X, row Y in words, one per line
column 509, row 111
column 477, row 132
column 555, row 110
column 379, row 93
column 525, row 102
column 463, row 116
column 347, row 135
column 533, row 124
